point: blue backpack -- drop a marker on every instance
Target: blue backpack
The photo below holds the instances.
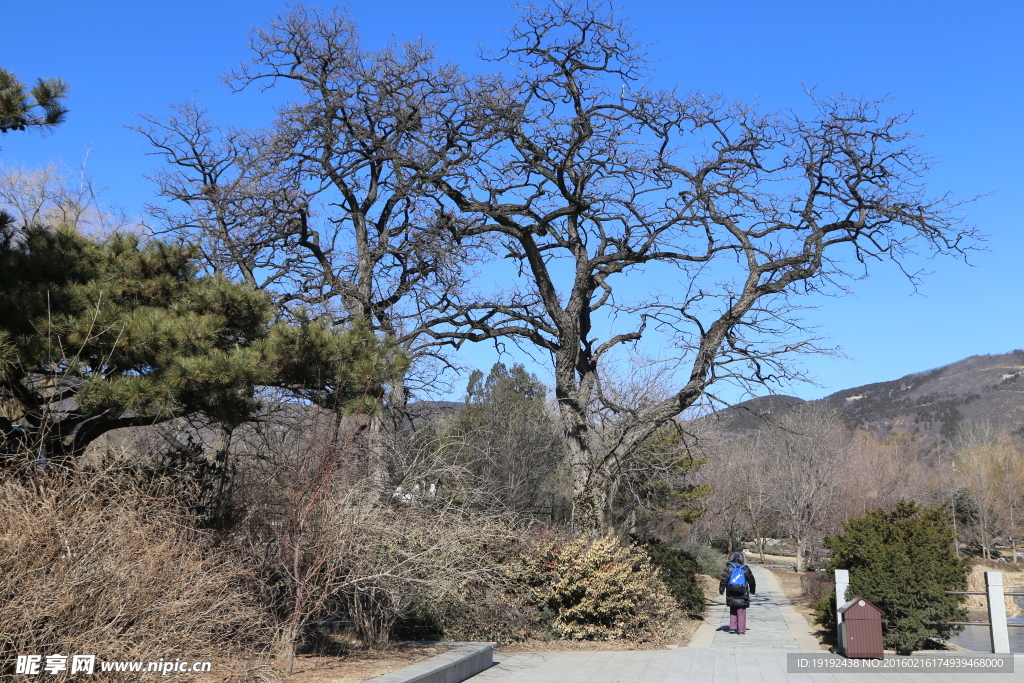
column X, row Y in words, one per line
column 737, row 579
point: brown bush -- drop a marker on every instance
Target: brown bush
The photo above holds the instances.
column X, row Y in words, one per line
column 816, row 585
column 95, row 565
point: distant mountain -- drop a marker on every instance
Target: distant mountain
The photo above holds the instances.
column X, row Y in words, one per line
column 930, row 404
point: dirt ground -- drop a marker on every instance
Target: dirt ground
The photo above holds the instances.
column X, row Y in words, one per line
column 789, row 581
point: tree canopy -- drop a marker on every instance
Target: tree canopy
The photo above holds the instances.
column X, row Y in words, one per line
column 97, row 335
column 18, row 103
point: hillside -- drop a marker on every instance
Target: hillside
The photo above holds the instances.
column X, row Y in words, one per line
column 930, row 404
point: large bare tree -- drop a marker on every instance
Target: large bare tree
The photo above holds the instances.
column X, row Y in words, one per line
column 630, row 214
column 315, row 209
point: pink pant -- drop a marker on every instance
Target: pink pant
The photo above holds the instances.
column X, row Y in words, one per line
column 738, row 618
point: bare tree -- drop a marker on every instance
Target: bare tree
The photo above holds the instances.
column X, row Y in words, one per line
column 56, row 196
column 880, row 472
column 988, row 466
column 754, row 470
column 588, row 176
column 315, row 209
column 807, row 449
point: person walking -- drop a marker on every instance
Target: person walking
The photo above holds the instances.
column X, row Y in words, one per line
column 737, row 584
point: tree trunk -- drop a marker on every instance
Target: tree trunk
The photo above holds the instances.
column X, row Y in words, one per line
column 289, row 634
column 800, row 543
column 378, row 429
column 589, row 480
column 589, row 497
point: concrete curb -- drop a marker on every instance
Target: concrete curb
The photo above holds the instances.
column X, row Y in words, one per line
column 453, row 666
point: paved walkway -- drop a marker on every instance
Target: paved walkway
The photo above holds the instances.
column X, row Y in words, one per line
column 774, row 630
column 772, row 623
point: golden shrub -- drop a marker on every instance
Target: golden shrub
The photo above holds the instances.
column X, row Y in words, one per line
column 598, row 589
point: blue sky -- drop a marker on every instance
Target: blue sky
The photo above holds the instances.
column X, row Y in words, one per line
column 957, row 65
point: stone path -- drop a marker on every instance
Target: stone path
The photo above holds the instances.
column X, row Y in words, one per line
column 774, row 630
column 772, row 622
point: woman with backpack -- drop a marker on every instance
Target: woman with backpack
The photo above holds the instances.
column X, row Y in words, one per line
column 738, row 585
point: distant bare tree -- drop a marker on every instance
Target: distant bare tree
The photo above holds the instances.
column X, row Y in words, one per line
column 741, row 475
column 53, row 195
column 989, row 465
column 807, row 448
column 880, row 472
column 755, row 471
column 587, row 175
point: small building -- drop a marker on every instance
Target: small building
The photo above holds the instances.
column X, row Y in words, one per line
column 860, row 633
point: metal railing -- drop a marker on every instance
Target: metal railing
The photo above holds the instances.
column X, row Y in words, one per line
column 997, row 621
column 975, row 623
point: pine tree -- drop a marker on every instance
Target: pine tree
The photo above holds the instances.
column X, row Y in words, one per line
column 902, row 561
column 17, row 103
column 98, row 335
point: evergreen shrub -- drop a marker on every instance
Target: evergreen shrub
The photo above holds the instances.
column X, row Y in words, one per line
column 708, row 560
column 901, row 561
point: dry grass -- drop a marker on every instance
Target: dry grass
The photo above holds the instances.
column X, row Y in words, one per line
column 94, row 565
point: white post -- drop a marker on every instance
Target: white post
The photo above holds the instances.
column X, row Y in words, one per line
column 842, row 583
column 997, row 613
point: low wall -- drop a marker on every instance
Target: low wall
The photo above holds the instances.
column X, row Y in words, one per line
column 454, row 666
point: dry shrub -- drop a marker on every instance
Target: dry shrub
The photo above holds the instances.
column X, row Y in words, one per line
column 330, row 546
column 598, row 589
column 816, row 585
column 95, row 565
column 403, row 562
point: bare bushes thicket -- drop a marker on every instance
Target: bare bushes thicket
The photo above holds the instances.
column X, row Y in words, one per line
column 556, row 587
column 96, row 565
column 331, row 548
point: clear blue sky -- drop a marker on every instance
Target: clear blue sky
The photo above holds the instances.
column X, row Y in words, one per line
column 959, row 65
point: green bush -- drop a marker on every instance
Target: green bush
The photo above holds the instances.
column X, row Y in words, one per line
column 902, row 561
column 709, row 561
column 597, row 590
column 678, row 570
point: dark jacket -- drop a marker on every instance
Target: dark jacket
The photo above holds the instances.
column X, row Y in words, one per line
column 742, row 599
